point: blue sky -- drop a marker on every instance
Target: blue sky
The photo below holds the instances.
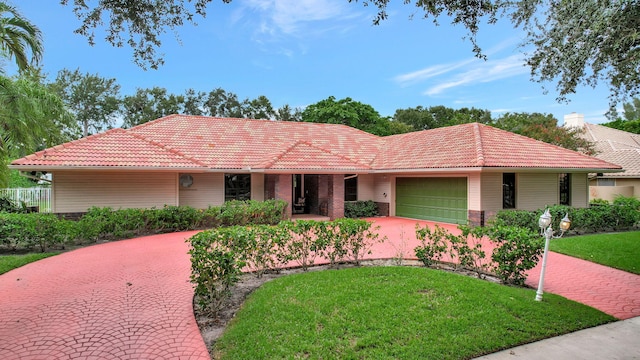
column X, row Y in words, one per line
column 299, row 52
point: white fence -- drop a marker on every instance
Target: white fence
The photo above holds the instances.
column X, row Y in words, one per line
column 38, row 198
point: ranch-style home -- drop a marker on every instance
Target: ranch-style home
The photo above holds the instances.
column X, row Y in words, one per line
column 454, row 174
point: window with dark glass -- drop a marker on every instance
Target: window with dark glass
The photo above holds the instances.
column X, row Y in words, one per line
column 565, row 189
column 508, row 191
column 351, row 188
column 237, row 187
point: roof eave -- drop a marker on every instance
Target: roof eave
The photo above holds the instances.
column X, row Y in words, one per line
column 51, row 168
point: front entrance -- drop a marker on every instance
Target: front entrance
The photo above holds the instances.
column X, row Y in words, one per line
column 305, row 194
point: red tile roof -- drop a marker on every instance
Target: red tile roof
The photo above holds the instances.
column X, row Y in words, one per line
column 113, row 148
column 221, row 144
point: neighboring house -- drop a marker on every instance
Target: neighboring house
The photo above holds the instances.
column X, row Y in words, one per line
column 615, row 146
column 452, row 174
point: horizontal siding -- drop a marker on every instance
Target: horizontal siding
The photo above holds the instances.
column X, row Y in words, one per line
column 207, row 190
column 366, row 187
column 77, row 191
column 492, row 192
column 536, row 191
column 579, row 190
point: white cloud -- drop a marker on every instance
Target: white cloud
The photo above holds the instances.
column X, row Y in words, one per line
column 291, row 17
column 482, row 72
column 429, row 72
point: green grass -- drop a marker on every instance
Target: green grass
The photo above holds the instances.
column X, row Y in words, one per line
column 10, row 262
column 394, row 313
column 620, row 250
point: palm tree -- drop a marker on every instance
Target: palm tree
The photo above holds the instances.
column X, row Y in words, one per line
column 19, row 38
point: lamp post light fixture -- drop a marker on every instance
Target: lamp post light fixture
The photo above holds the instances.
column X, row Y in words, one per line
column 545, row 229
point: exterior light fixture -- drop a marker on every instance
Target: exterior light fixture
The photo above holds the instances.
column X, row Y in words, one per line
column 545, row 229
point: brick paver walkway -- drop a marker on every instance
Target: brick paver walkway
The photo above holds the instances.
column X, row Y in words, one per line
column 129, row 299
column 132, row 299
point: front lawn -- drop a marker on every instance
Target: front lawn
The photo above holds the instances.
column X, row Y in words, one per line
column 394, row 313
column 619, row 250
column 10, row 262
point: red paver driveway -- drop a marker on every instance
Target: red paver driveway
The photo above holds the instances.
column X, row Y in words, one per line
column 129, row 299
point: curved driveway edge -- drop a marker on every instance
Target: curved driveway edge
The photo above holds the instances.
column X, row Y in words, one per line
column 130, row 299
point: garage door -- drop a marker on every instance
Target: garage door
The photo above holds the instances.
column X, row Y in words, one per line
column 437, row 199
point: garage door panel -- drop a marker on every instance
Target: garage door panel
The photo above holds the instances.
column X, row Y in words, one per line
column 437, row 199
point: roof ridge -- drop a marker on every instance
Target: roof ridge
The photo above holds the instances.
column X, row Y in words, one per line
column 279, row 155
column 282, row 153
column 335, row 154
column 167, row 148
column 479, row 145
column 74, row 142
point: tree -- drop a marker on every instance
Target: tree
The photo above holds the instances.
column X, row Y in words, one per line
column 438, row 116
column 545, row 128
column 574, row 42
column 194, row 102
column 32, row 117
column 569, row 42
column 351, row 113
column 19, row 39
column 223, row 104
column 150, row 104
column 258, row 108
column 632, row 110
column 94, row 100
column 286, row 113
column 631, row 121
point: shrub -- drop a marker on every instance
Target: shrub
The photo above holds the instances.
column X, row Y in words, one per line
column 517, row 250
column 173, row 218
column 305, row 245
column 468, row 249
column 359, row 209
column 356, row 237
column 434, row 244
column 216, row 266
column 30, row 231
column 251, row 212
column 9, row 206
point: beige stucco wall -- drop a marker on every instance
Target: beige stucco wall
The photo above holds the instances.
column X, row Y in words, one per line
column 610, row 193
column 624, row 187
column 366, row 187
column 207, row 190
column 474, row 193
column 383, row 188
column 257, row 187
column 77, row 191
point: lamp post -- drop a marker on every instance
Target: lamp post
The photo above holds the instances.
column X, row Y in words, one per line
column 545, row 229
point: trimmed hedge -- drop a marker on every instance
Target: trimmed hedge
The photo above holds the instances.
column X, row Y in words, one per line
column 218, row 256
column 19, row 232
column 360, row 209
column 623, row 214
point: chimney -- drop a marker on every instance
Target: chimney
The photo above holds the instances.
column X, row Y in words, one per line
column 574, row 120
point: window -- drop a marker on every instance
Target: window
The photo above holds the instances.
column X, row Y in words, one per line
column 565, row 189
column 606, row 182
column 237, row 187
column 351, row 188
column 508, row 191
